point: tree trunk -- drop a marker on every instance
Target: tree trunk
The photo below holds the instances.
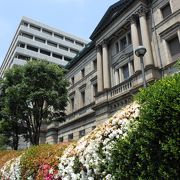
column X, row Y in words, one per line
column 34, row 139
column 15, row 140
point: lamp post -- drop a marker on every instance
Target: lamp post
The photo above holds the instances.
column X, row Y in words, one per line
column 140, row 51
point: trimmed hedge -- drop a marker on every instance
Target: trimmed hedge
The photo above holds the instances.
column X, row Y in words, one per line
column 151, row 149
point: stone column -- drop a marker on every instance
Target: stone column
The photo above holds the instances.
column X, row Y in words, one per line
column 179, row 35
column 120, row 75
column 130, row 69
column 106, row 76
column 116, row 73
column 135, row 43
column 148, row 58
column 99, row 70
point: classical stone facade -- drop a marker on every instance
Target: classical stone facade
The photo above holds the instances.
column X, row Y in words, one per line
column 39, row 41
column 106, row 73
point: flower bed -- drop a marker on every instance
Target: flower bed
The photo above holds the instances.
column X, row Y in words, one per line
column 85, row 159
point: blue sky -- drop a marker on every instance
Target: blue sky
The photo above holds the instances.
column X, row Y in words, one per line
column 78, row 17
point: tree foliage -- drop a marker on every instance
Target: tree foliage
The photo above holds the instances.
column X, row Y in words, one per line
column 151, row 149
column 34, row 93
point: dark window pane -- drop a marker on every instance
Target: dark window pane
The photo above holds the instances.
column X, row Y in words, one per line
column 67, row 58
column 47, row 32
column 72, row 104
column 117, row 47
column 81, row 133
column 27, row 35
column 32, row 48
column 58, row 36
column 40, row 39
column 166, row 10
column 83, row 98
column 123, row 43
column 125, row 71
column 51, row 43
column 61, row 139
column 82, row 73
column 45, row 52
column 35, row 27
column 174, row 47
column 57, row 56
column 95, row 64
column 72, row 80
column 69, row 40
column 129, row 39
column 70, row 136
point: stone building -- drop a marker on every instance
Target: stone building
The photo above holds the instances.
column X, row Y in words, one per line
column 39, row 41
column 106, row 73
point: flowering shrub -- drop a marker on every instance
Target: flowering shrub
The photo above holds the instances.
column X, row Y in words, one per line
column 9, row 163
column 8, row 155
column 152, row 148
column 41, row 162
column 11, row 169
column 88, row 158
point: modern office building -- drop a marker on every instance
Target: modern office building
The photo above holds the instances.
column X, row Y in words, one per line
column 36, row 40
column 106, row 73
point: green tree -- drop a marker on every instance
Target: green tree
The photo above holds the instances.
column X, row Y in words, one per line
column 34, row 93
column 3, row 142
column 10, row 126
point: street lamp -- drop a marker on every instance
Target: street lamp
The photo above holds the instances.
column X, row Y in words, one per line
column 140, row 51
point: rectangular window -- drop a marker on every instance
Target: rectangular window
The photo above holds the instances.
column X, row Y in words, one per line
column 166, row 10
column 35, row 27
column 27, row 35
column 72, row 104
column 174, row 48
column 72, row 80
column 19, row 56
column 79, row 43
column 74, row 51
column 40, row 40
column 81, row 133
column 67, row 58
column 25, row 24
column 57, row 56
column 117, row 47
column 125, row 71
column 82, row 73
column 69, row 40
column 129, row 39
column 123, row 43
column 63, row 47
column 51, row 43
column 61, row 139
column 70, row 137
column 47, row 32
column 95, row 64
column 58, row 36
column 32, row 48
column 82, row 98
column 22, row 45
column 94, row 89
column 45, row 52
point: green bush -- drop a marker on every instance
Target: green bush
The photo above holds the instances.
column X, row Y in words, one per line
column 151, row 149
